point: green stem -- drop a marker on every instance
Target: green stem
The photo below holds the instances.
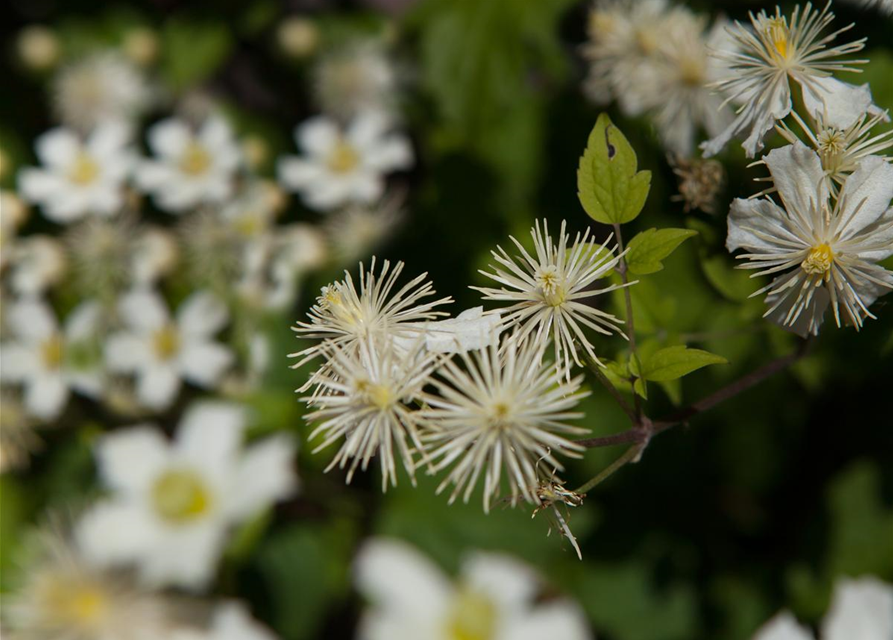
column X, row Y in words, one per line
column 630, row 323
column 629, row 455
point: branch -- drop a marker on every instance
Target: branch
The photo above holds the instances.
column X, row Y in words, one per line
column 640, row 434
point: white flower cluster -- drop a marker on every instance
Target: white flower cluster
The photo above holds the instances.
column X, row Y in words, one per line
column 823, row 240
column 473, row 394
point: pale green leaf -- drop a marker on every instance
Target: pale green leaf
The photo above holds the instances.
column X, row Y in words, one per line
column 674, row 362
column 649, row 248
column 609, row 186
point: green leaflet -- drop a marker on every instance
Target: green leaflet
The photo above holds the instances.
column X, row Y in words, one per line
column 671, row 363
column 609, row 185
column 649, row 248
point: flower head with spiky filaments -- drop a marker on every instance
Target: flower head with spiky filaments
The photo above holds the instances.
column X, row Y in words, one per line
column 345, row 314
column 550, row 290
column 505, row 410
column 363, row 396
column 826, row 255
column 772, row 52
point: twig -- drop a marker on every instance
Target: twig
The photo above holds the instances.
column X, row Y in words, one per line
column 630, row 324
column 630, row 455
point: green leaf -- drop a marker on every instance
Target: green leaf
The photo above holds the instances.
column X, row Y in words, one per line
column 193, row 51
column 649, row 248
column 674, row 362
column 609, row 185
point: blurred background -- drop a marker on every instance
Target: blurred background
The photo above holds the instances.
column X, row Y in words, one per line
column 758, row 505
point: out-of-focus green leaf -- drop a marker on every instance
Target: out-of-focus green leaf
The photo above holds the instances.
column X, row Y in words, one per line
column 609, row 185
column 672, row 363
column 649, row 248
column 193, row 51
column 734, row 284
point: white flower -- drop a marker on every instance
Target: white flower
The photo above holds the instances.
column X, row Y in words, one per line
column 172, row 504
column 862, row 609
column 550, row 291
column 365, row 396
column 161, row 351
column 79, row 177
column 63, row 596
column 494, row 598
column 358, row 230
column 825, row 254
column 102, row 88
column 505, row 411
column 229, row 621
column 344, row 166
column 191, row 167
column 13, row 213
column 47, row 362
column 346, row 315
column 841, row 150
column 356, row 78
column 471, row 329
column 773, row 52
column 37, row 263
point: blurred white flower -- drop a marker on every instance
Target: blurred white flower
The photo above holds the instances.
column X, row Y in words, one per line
column 551, row 293
column 79, row 177
column 841, row 150
column 505, row 409
column 346, row 315
column 229, row 621
column 884, row 6
column 770, row 54
column 365, row 397
column 827, row 253
column 471, row 329
column 861, row 609
column 494, row 598
column 155, row 254
column 340, row 167
column 162, row 351
column 172, row 504
column 47, row 362
column 141, row 45
column 102, row 88
column 356, row 78
column 190, row 167
column 63, row 596
column 38, row 47
column 358, row 230
column 297, row 37
column 18, row 438
column 37, row 263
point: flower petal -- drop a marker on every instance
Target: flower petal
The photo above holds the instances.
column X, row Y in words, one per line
column 860, row 610
column 264, row 475
column 865, row 196
column 754, row 224
column 798, row 175
column 210, row 436
column 202, row 314
column 839, row 103
column 129, row 460
column 783, row 627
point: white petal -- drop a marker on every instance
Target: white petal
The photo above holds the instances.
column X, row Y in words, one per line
column 127, row 352
column 753, row 224
column 317, row 136
column 202, row 314
column 157, row 386
column 144, row 310
column 839, row 103
column 108, row 140
column 866, row 195
column 470, row 330
column 210, row 436
column 115, row 532
column 204, row 363
column 783, row 627
column 509, row 583
column 399, row 579
column 84, row 321
column 367, row 129
column 231, row 621
column 797, row 173
column 264, row 475
column 46, row 396
column 184, row 556
column 169, row 137
column 37, row 185
column 810, row 319
column 390, row 154
column 58, row 147
column 861, row 610
column 562, row 620
column 216, row 135
column 130, row 460
column 19, row 362
column 297, row 174
column 31, row 320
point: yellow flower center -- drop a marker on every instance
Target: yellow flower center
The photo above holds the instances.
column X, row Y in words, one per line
column 248, row 224
column 195, row 160
column 778, row 33
column 819, row 260
column 70, row 604
column 166, row 342
column 52, row 351
column 343, row 158
column 180, row 496
column 499, row 417
column 692, row 72
column 648, row 40
column 551, row 285
column 472, row 617
column 832, row 146
column 601, row 22
column 84, row 170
